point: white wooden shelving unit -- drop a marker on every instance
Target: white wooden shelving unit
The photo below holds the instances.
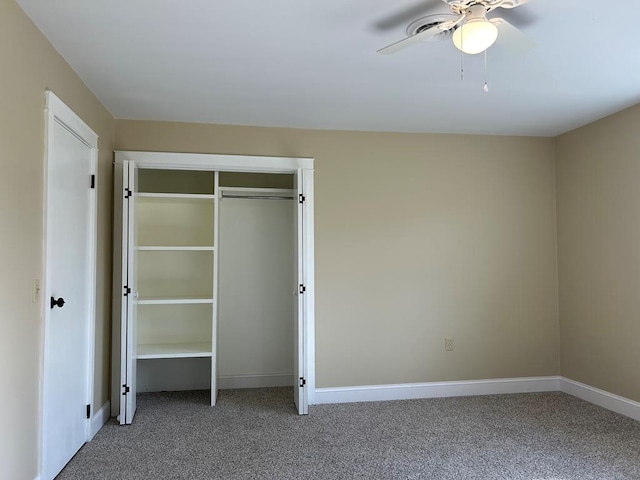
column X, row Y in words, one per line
column 176, row 258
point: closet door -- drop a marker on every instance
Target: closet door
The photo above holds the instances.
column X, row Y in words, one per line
column 129, row 294
column 300, row 396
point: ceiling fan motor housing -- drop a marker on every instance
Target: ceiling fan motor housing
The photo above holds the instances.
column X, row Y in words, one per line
column 432, row 21
column 464, row 7
column 476, row 13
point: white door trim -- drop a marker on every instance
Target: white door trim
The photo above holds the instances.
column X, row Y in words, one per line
column 56, row 111
column 223, row 163
column 303, row 167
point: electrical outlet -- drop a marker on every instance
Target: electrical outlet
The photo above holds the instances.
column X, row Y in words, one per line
column 448, row 344
column 35, row 291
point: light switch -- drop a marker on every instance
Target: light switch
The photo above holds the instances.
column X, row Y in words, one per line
column 35, row 291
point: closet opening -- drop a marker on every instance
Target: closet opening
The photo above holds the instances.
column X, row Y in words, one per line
column 210, row 265
column 256, row 281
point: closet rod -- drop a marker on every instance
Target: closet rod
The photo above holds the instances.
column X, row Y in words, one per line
column 257, row 197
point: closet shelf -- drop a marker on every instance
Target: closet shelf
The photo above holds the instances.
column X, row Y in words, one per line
column 173, row 301
column 190, row 196
column 173, row 350
column 167, row 248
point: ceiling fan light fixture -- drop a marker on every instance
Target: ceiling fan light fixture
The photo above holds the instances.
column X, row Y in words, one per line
column 475, row 36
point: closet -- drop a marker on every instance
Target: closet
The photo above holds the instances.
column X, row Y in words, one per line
column 174, row 326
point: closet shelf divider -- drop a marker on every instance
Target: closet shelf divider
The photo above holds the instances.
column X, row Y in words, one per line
column 173, row 248
column 173, row 301
column 173, row 350
column 190, row 196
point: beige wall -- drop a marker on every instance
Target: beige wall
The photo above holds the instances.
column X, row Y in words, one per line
column 598, row 175
column 29, row 66
column 418, row 237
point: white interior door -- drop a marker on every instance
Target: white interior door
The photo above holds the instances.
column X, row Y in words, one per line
column 129, row 291
column 300, row 388
column 69, row 297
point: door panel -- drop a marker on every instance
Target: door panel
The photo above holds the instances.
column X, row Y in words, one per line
column 300, row 390
column 124, row 304
column 132, row 296
column 128, row 310
column 69, row 255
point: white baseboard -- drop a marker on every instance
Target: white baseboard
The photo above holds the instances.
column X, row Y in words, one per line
column 255, row 381
column 604, row 399
column 406, row 391
column 100, row 418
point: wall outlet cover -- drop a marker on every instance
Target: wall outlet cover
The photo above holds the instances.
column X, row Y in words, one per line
column 448, row 344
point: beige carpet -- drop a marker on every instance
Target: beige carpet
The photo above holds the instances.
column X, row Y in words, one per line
column 255, row 434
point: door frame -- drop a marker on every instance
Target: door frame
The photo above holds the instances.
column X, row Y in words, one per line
column 57, row 112
column 303, row 168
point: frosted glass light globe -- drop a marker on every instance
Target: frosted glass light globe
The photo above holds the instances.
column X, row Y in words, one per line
column 475, row 36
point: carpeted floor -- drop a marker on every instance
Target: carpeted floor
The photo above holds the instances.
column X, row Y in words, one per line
column 255, row 434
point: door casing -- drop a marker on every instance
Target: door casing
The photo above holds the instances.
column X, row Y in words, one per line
column 303, row 169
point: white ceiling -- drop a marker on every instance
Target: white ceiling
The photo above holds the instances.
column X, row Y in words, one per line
column 313, row 64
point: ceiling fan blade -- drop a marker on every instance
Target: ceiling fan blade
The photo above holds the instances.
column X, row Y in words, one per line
column 406, row 42
column 404, row 16
column 511, row 38
column 419, row 37
column 520, row 18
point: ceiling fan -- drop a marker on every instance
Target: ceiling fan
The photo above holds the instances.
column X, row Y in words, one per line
column 472, row 31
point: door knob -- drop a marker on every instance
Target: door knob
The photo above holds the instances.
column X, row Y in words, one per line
column 59, row 302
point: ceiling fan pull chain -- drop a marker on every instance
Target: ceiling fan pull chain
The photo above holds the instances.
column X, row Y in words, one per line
column 486, row 86
column 461, row 60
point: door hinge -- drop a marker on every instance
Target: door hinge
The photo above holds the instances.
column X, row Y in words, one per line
column 88, row 411
column 302, row 288
column 301, row 198
column 303, row 382
column 93, row 181
column 127, row 193
column 127, row 291
column 125, row 389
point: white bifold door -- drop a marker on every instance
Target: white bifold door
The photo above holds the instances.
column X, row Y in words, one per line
column 128, row 292
column 300, row 395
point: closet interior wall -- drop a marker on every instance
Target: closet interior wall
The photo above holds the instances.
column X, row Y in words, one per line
column 256, row 281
